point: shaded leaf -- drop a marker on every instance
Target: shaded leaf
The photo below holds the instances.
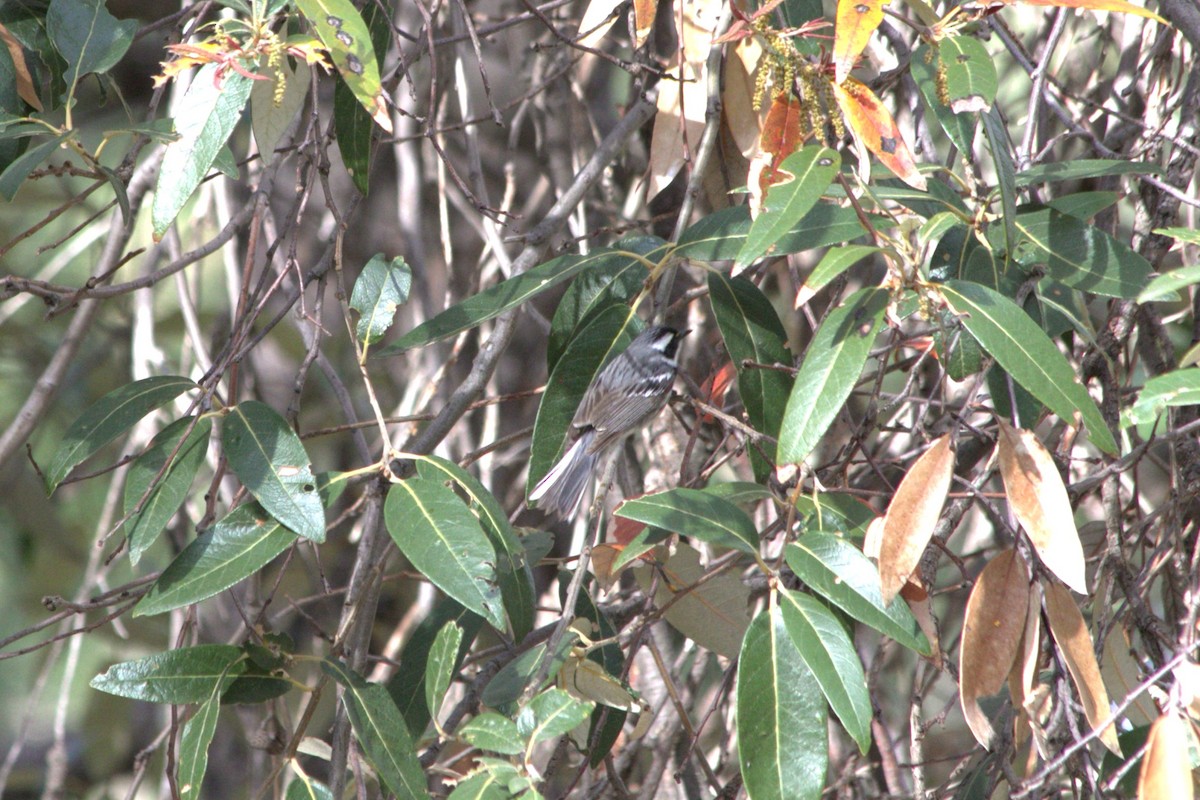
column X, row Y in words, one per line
column 722, row 234
column 352, row 122
column 197, row 734
column 269, row 459
column 143, row 527
column 1075, row 643
column 550, row 714
column 832, row 264
column 493, row 732
column 1166, row 771
column 407, row 685
column 1006, row 172
column 1081, row 255
column 503, row 691
column 1178, row 388
column 1080, row 168
column 913, row 514
column 88, row 37
column 272, row 111
column 15, row 173
column 440, row 670
column 108, row 418
column 968, row 73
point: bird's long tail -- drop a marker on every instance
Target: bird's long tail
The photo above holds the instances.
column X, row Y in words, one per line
column 560, row 490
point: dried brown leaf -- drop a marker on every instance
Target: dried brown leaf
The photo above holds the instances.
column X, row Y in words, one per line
column 1121, row 676
column 992, row 629
column 1166, row 769
column 644, row 12
column 737, row 97
column 913, row 514
column 1039, row 500
column 1022, row 679
column 1071, row 635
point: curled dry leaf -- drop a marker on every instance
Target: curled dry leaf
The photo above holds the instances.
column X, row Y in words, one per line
column 1039, row 500
column 1166, row 768
column 995, row 621
column 1071, row 635
column 737, row 98
column 1122, row 676
column 856, row 21
column 1022, row 679
column 874, row 126
column 912, row 515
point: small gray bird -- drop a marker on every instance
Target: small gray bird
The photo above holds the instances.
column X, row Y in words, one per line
column 627, row 393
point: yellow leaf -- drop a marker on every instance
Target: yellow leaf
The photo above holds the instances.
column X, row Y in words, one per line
column 992, row 628
column 856, row 21
column 1039, row 501
column 872, row 125
column 912, row 515
column 1119, row 6
column 1071, row 635
column 1166, row 770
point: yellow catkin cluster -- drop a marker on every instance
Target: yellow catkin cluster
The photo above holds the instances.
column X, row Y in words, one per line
column 778, row 70
column 940, row 82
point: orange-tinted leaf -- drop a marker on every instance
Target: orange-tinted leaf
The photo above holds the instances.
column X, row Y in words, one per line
column 922, row 611
column 716, row 386
column 1166, row 768
column 873, row 126
column 643, row 20
column 781, row 136
column 1039, row 501
column 912, row 515
column 856, row 21
column 24, row 80
column 623, row 530
column 1071, row 635
column 601, row 563
column 995, row 620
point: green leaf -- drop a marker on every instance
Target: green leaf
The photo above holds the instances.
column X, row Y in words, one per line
column 236, row 547
column 207, row 116
column 352, row 123
column 513, row 570
column 142, row 528
column 381, row 288
column 440, row 668
column 970, row 74
column 720, row 236
column 442, row 539
column 781, row 717
column 1174, row 389
column 503, row 691
column 380, row 730
column 1084, row 205
column 272, row 114
column 108, row 418
column 835, row 262
column 88, row 37
column 345, row 35
column 551, row 714
column 839, row 572
column 494, row 733
column 1167, row 286
column 488, row 783
column 269, row 458
column 752, row 332
column 194, row 741
column 615, row 279
column 1081, row 255
column 827, row 650
column 692, row 512
column 959, row 128
column 407, row 685
column 1026, row 353
column 257, row 685
column 832, row 512
column 832, row 364
column 812, row 169
column 185, row 675
column 1006, row 172
column 608, row 334
column 304, row 787
column 15, row 173
column 1081, row 168
column 493, row 301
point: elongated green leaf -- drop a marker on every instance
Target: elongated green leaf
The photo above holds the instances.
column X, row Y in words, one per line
column 503, row 691
column 512, row 565
column 615, row 279
column 15, row 173
column 1167, row 286
column 828, row 512
column 781, row 717
column 1178, row 388
column 835, row 262
column 494, row 300
column 206, row 118
column 1083, row 205
column 721, row 235
column 304, row 787
column 442, row 539
column 269, row 458
column 970, row 74
column 441, row 665
column 492, row 732
column 345, row 35
column 607, row 335
column 830, row 655
column 812, row 169
column 959, row 128
column 493, row 781
column 839, row 572
column 1026, row 353
column 1080, row 168
column 1081, row 255
column 752, row 332
column 351, row 120
column 407, row 685
column 692, row 512
column 831, row 367
column 108, row 418
column 1006, row 172
column 381, row 288
column 88, row 37
column 186, row 675
column 550, row 714
column 236, row 547
column 194, row 741
column 142, row 528
column 380, row 730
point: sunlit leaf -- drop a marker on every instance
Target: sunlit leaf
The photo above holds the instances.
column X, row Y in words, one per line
column 1075, row 643
column 381, row 288
column 343, row 32
column 913, row 514
column 874, row 126
column 856, row 21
